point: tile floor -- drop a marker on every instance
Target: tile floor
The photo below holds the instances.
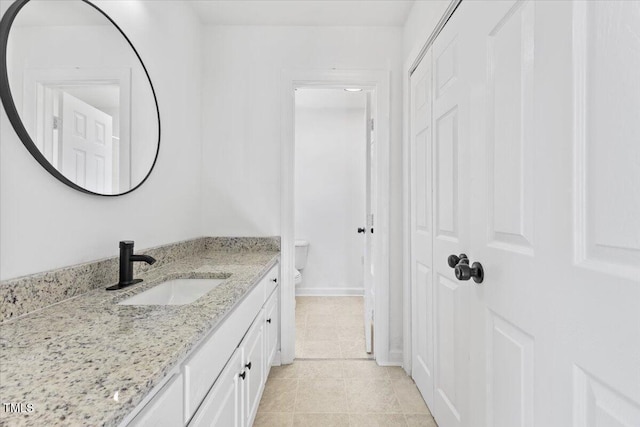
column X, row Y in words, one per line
column 342, row 389
column 330, row 328
column 335, row 393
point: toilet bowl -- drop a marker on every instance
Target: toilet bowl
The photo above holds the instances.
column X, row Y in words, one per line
column 302, row 247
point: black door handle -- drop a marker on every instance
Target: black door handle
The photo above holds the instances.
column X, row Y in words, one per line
column 464, row 272
column 454, row 260
column 361, row 230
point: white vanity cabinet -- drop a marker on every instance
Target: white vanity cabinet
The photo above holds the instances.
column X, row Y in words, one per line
column 223, row 404
column 221, row 381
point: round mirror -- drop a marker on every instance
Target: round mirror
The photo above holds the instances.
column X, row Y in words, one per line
column 78, row 95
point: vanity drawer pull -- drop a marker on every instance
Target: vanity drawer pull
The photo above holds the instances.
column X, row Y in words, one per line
column 248, row 366
column 274, row 280
column 269, row 320
column 242, row 375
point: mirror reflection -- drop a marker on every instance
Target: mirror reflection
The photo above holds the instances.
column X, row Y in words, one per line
column 83, row 95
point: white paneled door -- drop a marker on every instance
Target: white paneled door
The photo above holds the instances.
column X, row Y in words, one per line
column 547, row 100
column 421, row 225
column 86, row 145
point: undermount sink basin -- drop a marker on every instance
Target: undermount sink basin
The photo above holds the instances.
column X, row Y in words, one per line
column 174, row 292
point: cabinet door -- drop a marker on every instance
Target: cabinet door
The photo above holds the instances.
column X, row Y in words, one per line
column 165, row 408
column 272, row 326
column 253, row 347
column 223, row 405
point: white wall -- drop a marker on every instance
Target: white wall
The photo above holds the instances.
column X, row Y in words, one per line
column 46, row 225
column 241, row 118
column 330, row 160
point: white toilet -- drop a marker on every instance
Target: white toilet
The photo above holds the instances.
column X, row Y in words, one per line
column 302, row 247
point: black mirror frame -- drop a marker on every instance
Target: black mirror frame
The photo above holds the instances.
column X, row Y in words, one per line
column 14, row 117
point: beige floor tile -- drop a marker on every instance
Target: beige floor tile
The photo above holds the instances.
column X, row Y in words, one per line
column 284, row 371
column 321, row 395
column 273, row 419
column 420, row 420
column 320, row 420
column 377, row 420
column 279, row 395
column 321, row 350
column 397, row 373
column 323, row 309
column 351, row 332
column 310, row 369
column 299, row 347
column 321, row 321
column 322, row 333
column 354, row 349
column 371, row 396
column 301, row 333
column 410, row 398
column 360, row 369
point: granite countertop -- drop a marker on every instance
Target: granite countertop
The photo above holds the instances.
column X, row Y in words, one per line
column 89, row 361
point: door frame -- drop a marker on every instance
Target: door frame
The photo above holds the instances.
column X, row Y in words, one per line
column 378, row 81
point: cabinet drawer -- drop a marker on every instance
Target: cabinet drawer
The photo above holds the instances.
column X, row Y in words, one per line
column 165, row 409
column 202, row 369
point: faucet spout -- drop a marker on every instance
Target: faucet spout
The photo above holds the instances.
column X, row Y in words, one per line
column 144, row 258
column 127, row 258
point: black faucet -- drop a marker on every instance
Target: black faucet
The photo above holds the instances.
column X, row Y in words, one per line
column 127, row 258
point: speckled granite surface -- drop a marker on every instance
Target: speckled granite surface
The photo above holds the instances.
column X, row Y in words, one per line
column 26, row 294
column 70, row 359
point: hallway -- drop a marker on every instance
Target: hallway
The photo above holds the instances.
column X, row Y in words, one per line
column 331, row 383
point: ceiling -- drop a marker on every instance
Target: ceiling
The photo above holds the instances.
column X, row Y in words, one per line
column 303, row 12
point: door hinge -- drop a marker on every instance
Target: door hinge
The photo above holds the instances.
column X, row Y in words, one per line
column 56, row 122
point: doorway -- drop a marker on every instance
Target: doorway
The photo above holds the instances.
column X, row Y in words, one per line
column 332, row 204
column 375, row 84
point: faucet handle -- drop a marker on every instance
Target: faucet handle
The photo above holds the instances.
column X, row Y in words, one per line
column 126, row 243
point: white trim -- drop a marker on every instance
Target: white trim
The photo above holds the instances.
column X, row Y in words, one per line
column 378, row 80
column 329, row 292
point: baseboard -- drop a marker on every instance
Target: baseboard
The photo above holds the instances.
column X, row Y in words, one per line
column 329, row 292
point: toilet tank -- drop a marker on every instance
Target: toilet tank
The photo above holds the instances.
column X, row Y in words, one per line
column 302, row 247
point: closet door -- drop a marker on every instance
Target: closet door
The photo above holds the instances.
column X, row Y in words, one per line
column 421, row 229
column 451, row 210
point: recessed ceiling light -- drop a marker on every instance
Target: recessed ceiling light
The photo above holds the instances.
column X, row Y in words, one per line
column 353, row 89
